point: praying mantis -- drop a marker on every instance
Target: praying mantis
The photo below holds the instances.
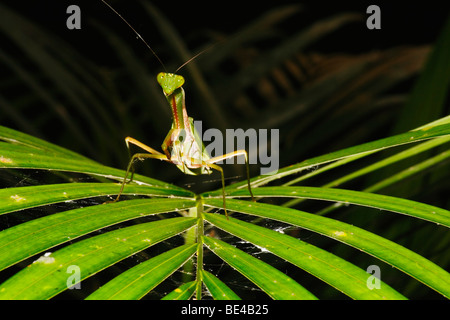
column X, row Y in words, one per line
column 182, row 145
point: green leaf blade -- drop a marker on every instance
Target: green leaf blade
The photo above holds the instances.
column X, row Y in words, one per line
column 373, row 200
column 405, row 260
column 20, row 157
column 17, row 137
column 45, row 278
column 424, row 133
column 275, row 283
column 30, row 238
column 183, row 292
column 335, row 271
column 134, row 283
column 14, row 199
column 218, row 289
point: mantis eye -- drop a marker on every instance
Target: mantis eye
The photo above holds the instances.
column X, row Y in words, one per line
column 160, row 77
column 179, row 81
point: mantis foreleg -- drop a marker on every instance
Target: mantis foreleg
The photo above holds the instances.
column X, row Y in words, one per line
column 153, row 154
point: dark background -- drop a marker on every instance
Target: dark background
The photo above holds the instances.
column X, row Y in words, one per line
column 403, row 24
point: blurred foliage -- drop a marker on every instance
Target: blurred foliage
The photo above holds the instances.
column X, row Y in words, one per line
column 54, row 91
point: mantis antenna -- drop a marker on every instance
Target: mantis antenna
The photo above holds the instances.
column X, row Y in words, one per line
column 139, row 36
column 194, row 57
column 182, row 145
column 148, row 46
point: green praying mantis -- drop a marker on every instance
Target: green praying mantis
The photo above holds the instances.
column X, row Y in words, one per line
column 182, row 145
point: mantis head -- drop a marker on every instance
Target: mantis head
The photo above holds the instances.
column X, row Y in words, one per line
column 169, row 82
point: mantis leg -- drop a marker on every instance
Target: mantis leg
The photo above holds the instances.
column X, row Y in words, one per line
column 232, row 155
column 131, row 140
column 137, row 156
column 216, row 167
column 211, row 163
column 153, row 154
